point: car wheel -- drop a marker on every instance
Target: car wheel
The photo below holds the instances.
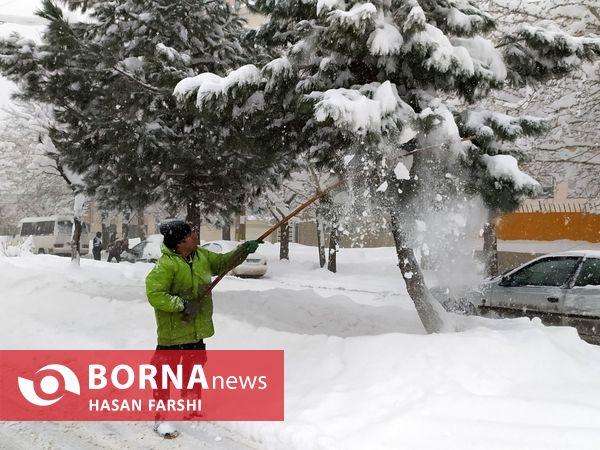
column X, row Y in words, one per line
column 41, row 251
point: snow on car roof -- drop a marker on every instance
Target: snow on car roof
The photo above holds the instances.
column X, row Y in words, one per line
column 586, row 253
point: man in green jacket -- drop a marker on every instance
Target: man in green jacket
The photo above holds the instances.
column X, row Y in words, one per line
column 175, row 286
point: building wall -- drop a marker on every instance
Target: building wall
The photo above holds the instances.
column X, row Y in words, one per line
column 550, row 226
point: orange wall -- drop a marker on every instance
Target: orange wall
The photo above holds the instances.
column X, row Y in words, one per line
column 549, row 226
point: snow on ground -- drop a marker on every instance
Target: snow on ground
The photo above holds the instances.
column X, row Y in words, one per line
column 360, row 371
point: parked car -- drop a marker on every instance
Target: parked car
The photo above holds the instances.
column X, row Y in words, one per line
column 560, row 289
column 255, row 266
column 146, row 251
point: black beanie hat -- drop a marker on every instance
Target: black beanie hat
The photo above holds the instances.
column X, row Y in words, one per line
column 174, row 231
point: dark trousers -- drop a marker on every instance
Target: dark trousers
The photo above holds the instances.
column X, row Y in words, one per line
column 200, row 345
column 96, row 253
column 111, row 255
column 187, row 361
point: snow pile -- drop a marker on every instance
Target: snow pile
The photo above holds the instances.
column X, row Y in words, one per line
column 360, row 371
column 171, row 54
column 504, row 124
column 415, row 20
column 275, row 71
column 445, row 133
column 349, row 108
column 385, row 40
column 328, row 5
column 507, row 167
column 358, row 17
column 458, row 20
column 11, row 247
column 485, row 56
column 211, row 86
column 444, row 56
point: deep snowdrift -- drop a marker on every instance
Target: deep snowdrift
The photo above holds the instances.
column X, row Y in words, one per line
column 360, row 372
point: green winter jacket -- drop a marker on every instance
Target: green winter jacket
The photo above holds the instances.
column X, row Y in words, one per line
column 172, row 282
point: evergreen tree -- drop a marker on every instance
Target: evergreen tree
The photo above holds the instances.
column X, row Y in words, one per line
column 393, row 85
column 110, row 81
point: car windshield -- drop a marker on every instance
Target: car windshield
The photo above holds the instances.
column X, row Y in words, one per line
column 546, row 272
column 139, row 249
column 589, row 275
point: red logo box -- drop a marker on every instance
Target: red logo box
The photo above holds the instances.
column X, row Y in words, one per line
column 109, row 385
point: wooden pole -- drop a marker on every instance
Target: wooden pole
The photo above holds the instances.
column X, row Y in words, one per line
column 235, row 259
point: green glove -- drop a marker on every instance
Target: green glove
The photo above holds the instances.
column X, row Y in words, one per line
column 250, row 246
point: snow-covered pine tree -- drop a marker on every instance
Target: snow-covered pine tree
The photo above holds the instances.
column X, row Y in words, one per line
column 393, row 84
column 110, row 81
column 569, row 150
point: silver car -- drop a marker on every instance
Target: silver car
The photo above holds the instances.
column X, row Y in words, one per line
column 255, row 266
column 560, row 289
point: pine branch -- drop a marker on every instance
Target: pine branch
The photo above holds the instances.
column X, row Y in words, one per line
column 139, row 82
column 53, row 14
column 429, row 147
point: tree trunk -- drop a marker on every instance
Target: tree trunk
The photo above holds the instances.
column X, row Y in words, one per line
column 490, row 245
column 333, row 248
column 125, row 226
column 241, row 231
column 76, row 243
column 141, row 224
column 226, row 233
column 105, row 230
column 193, row 214
column 321, row 242
column 284, row 247
column 429, row 310
column 78, row 210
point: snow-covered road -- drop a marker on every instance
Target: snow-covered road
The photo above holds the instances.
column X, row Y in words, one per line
column 360, row 371
column 114, row 436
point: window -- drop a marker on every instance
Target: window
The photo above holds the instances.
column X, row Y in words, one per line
column 45, row 228
column 38, row 228
column 27, row 229
column 590, row 273
column 65, row 227
column 546, row 272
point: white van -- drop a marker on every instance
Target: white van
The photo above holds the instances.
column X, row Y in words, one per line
column 52, row 235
